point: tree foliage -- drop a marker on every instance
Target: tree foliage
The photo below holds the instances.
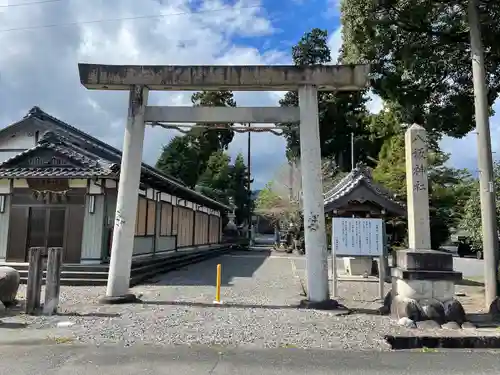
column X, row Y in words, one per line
column 471, row 220
column 179, row 159
column 340, row 114
column 186, row 157
column 211, row 140
column 419, row 52
column 281, row 199
column 239, row 189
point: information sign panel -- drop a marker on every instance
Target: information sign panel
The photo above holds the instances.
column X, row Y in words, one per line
column 357, row 237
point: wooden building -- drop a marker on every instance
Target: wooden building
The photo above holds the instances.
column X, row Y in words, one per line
column 357, row 195
column 58, row 188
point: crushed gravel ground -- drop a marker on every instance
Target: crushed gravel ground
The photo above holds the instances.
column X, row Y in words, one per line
column 259, row 295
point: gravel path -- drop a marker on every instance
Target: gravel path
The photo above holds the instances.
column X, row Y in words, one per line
column 258, row 291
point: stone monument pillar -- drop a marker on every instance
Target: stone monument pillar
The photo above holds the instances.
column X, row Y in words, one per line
column 417, row 188
column 423, row 280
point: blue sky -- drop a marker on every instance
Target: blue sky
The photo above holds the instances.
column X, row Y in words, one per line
column 38, row 66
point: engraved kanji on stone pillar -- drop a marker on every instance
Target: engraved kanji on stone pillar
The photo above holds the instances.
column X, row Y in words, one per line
column 417, row 187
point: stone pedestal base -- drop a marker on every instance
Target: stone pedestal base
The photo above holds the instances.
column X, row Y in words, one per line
column 428, row 309
column 423, row 288
column 358, row 266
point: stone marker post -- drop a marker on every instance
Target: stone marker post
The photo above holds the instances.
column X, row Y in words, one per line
column 53, row 280
column 417, row 188
column 35, row 274
column 423, row 280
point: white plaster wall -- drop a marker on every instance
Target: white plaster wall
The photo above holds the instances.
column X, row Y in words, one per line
column 21, row 141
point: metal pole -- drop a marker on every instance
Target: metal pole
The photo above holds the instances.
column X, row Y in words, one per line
column 249, row 203
column 352, row 151
column 485, row 160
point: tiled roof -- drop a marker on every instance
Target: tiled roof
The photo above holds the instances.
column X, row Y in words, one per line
column 102, row 159
column 53, row 173
column 359, row 175
column 85, row 165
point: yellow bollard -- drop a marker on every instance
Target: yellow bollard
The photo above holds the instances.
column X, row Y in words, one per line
column 217, row 285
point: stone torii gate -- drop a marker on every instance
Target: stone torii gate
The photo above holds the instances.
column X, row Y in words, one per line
column 139, row 80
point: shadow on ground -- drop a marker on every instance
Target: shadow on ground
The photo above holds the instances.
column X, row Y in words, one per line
column 241, row 264
column 469, row 282
column 223, row 305
column 18, row 309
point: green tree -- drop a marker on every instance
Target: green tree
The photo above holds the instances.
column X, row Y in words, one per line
column 186, row 157
column 215, row 180
column 281, row 199
column 239, row 188
column 471, row 221
column 179, row 159
column 419, row 52
column 209, row 139
column 340, row 114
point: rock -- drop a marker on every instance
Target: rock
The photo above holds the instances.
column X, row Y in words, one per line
column 451, row 325
column 407, row 323
column 386, row 307
column 9, row 284
column 432, row 309
column 2, row 307
column 468, row 325
column 428, row 324
column 402, row 307
column 65, row 324
column 454, row 311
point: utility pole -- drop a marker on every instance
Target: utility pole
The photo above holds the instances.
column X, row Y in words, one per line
column 249, row 187
column 485, row 159
column 352, row 151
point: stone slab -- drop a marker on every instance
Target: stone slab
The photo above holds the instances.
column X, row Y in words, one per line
column 224, row 77
column 399, row 273
column 357, row 266
column 441, row 290
column 222, row 115
column 424, row 260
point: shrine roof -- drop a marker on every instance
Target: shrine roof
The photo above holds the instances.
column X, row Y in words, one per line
column 348, row 186
column 72, row 161
column 83, row 156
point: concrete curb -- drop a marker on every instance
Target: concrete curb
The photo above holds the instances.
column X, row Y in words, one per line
column 444, row 342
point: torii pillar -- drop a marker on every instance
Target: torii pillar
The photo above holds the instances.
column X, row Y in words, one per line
column 139, row 80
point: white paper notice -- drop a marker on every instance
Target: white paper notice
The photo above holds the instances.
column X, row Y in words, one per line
column 357, row 237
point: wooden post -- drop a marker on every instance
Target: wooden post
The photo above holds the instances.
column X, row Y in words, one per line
column 35, row 274
column 53, row 280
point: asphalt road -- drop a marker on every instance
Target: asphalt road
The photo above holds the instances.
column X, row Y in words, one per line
column 76, row 360
column 469, row 267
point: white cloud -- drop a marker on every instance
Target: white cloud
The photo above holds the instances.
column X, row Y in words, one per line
column 39, row 67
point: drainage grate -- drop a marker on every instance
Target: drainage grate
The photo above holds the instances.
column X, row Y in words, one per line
column 464, row 342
